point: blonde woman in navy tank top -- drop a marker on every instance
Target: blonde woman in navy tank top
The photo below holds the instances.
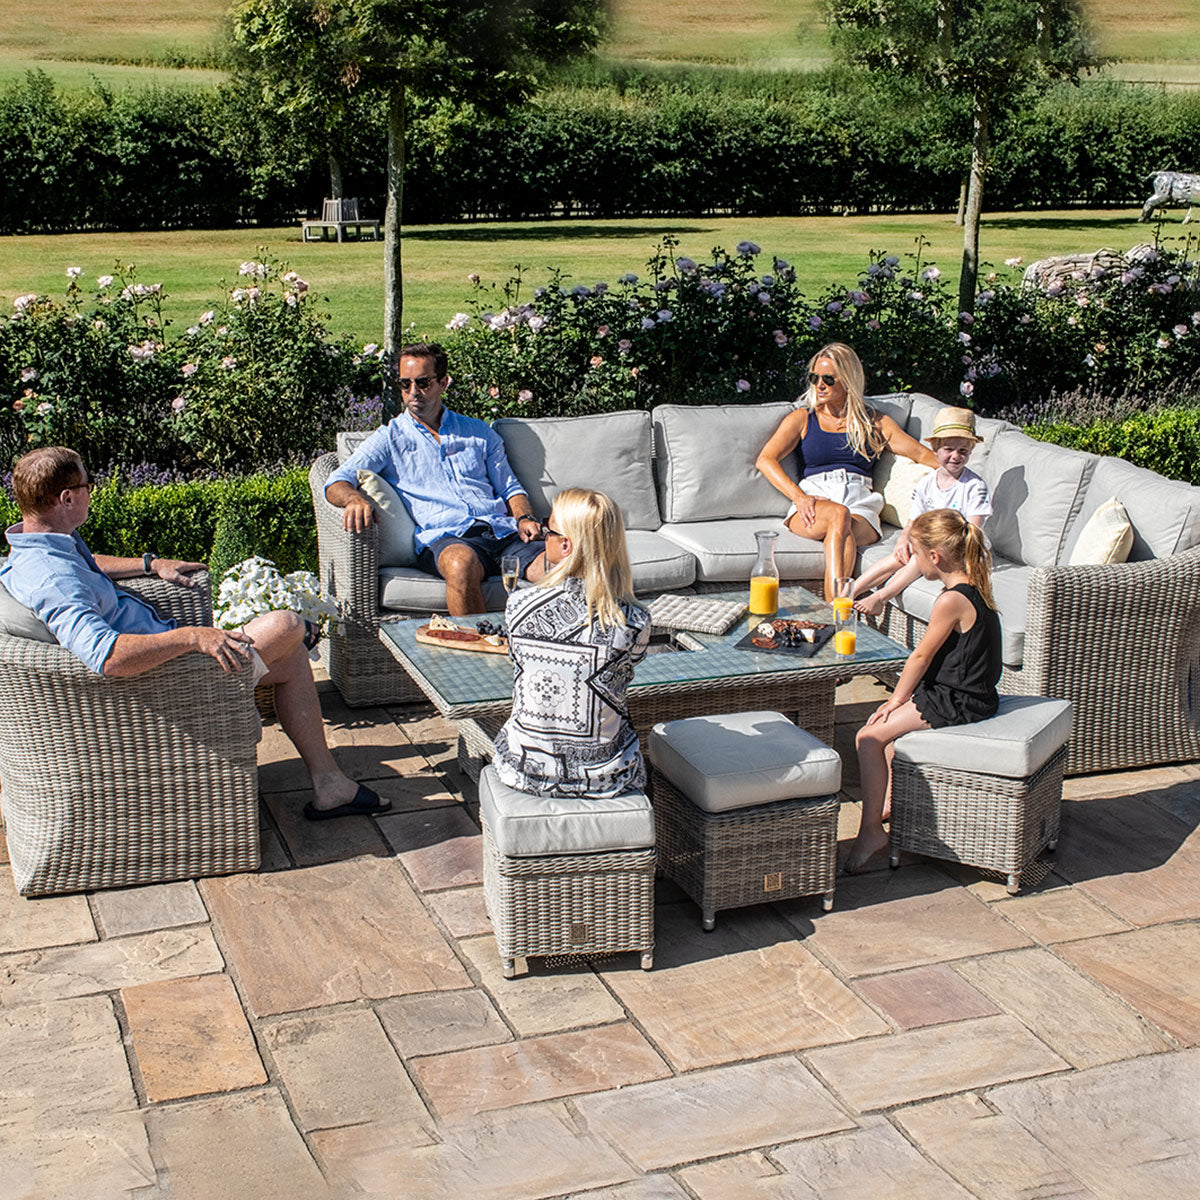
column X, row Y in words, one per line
column 838, row 439
column 951, row 676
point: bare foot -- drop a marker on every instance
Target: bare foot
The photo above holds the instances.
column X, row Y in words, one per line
column 865, row 847
column 872, row 605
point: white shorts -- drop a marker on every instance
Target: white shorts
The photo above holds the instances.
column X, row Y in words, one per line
column 257, row 666
column 848, row 488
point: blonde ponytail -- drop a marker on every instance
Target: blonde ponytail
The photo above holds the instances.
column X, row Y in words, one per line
column 950, row 533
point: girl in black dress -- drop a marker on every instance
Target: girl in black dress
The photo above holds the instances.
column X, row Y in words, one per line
column 949, row 679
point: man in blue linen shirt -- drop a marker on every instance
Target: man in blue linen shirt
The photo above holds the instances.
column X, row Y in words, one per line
column 51, row 571
column 469, row 508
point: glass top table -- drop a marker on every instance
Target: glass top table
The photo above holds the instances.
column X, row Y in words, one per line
column 702, row 674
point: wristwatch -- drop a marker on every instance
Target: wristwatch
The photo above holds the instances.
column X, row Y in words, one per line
column 528, row 517
column 147, row 559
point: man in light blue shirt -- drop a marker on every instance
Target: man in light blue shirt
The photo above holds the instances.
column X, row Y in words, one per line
column 469, row 508
column 51, row 571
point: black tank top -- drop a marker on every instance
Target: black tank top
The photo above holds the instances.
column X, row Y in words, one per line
column 959, row 685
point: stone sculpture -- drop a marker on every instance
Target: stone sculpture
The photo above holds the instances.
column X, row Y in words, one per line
column 1172, row 187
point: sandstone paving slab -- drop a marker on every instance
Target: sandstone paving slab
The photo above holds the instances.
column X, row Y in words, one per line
column 649, row 1187
column 461, row 910
column 745, row 990
column 338, row 1068
column 442, row 848
column 1082, row 1022
column 987, row 1152
column 440, row 1021
column 543, row 1068
column 329, row 934
column 244, row 1141
column 312, row 842
column 874, row 1161
column 69, row 1124
column 922, row 1063
column 157, row 906
column 521, row 1154
column 549, row 999
column 190, row 1037
column 273, row 857
column 713, row 1112
column 1062, row 915
column 1124, row 1130
column 54, row 921
column 908, row 918
column 105, row 966
column 1154, row 970
column 925, row 996
column 1133, row 858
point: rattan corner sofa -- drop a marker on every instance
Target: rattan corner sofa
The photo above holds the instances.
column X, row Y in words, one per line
column 115, row 782
column 1120, row 641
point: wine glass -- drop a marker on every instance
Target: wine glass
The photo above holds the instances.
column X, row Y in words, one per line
column 510, row 571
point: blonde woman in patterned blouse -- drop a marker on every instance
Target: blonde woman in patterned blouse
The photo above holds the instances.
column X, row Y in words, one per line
column 574, row 640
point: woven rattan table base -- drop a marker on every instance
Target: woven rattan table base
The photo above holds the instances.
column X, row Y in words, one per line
column 981, row 820
column 569, row 903
column 746, row 856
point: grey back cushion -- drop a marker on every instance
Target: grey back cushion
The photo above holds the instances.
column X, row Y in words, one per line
column 610, row 452
column 18, row 621
column 349, row 440
column 896, row 405
column 1037, row 490
column 1164, row 513
column 706, row 459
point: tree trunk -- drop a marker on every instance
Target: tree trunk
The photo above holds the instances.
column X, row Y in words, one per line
column 335, row 176
column 962, row 202
column 970, row 259
column 393, row 274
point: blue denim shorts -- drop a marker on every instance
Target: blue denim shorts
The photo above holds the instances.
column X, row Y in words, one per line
column 488, row 548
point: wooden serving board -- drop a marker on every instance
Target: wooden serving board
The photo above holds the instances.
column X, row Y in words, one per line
column 479, row 647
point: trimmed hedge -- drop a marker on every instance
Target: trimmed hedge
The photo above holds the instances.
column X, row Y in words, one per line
column 613, row 146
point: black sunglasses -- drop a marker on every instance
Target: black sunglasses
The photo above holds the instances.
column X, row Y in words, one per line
column 548, row 532
column 420, row 383
column 88, row 483
column 828, row 380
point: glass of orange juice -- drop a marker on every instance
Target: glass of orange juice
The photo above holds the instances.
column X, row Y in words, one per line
column 845, row 633
column 843, row 596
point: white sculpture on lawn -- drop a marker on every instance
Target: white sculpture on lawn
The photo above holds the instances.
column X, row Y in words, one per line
column 1172, row 187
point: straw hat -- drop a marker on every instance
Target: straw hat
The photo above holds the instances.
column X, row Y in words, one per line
column 954, row 422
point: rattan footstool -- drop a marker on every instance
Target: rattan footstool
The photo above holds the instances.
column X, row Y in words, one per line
column 989, row 794
column 746, row 807
column 565, row 875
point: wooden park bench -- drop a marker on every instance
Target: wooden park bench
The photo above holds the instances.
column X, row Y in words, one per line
column 340, row 216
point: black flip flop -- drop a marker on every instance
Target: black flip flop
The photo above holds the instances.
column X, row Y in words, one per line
column 312, row 634
column 366, row 803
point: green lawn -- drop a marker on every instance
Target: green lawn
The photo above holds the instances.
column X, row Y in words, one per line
column 191, row 265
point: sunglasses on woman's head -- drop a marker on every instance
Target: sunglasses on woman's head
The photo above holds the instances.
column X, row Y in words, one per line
column 827, row 380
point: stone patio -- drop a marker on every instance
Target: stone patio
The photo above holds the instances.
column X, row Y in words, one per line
column 338, row 1025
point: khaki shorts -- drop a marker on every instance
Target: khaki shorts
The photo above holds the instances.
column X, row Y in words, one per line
column 848, row 488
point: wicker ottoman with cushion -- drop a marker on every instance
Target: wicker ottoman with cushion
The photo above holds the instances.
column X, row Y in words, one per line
column 746, row 808
column 567, row 875
column 987, row 794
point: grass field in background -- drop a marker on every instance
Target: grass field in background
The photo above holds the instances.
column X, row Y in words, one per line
column 824, row 250
column 1159, row 39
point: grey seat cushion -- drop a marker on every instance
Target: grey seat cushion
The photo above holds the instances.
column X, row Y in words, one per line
column 18, row 621
column 725, row 550
column 1013, row 744
column 409, row 589
column 1165, row 513
column 610, row 452
column 659, row 565
column 738, row 760
column 527, row 826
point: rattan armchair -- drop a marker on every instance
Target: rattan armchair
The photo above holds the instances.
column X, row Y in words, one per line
column 1122, row 643
column 115, row 782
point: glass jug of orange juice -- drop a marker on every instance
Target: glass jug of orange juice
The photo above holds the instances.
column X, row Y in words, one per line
column 764, row 578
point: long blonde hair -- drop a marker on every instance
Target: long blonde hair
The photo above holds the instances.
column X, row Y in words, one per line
column 950, row 533
column 598, row 555
column 862, row 433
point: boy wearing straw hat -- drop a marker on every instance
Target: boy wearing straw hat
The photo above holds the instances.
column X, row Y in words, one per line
column 952, row 485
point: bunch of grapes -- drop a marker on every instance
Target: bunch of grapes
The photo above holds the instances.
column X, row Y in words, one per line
column 487, row 629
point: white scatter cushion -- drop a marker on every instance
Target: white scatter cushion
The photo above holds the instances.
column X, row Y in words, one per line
column 738, row 760
column 525, row 825
column 1106, row 538
column 396, row 527
column 896, row 477
column 18, row 621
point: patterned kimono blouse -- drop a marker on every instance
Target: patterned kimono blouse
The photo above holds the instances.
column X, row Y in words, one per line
column 569, row 733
